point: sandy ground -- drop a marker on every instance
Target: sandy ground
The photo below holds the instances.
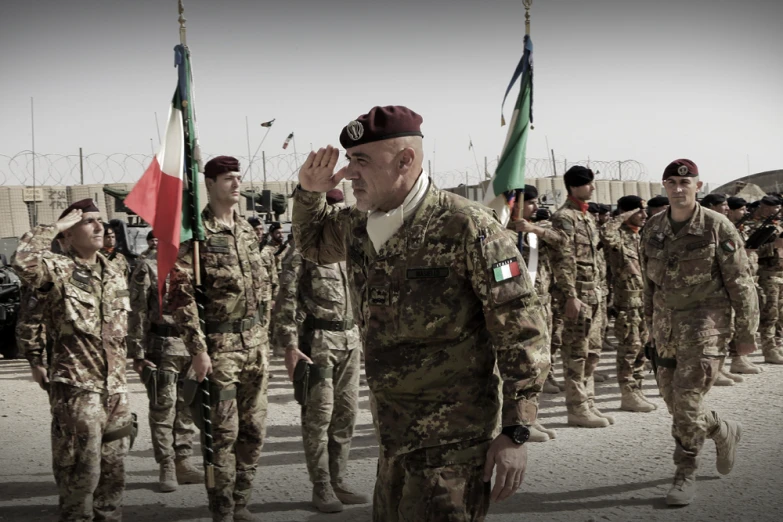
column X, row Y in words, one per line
column 617, row 473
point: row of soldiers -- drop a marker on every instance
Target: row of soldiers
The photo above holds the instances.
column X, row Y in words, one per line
column 455, row 317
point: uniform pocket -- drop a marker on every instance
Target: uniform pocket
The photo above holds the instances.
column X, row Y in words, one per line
column 81, row 309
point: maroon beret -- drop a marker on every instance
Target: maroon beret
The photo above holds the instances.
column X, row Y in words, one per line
column 85, row 205
column 220, row 165
column 334, row 196
column 381, row 123
column 681, row 167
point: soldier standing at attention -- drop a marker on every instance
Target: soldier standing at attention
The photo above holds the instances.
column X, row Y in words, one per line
column 577, row 270
column 696, row 273
column 270, row 291
column 232, row 349
column 276, row 248
column 111, row 252
column 88, row 303
column 770, row 272
column 447, row 317
column 621, row 241
column 330, row 340
column 539, row 240
column 160, row 357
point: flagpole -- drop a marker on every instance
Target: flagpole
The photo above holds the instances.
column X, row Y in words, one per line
column 253, row 159
column 249, row 161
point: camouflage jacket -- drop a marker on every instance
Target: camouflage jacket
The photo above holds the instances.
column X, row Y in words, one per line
column 145, row 314
column 693, row 280
column 309, row 290
column 576, row 266
column 235, row 281
column 119, row 260
column 753, row 255
column 551, row 240
column 270, row 252
column 769, row 258
column 621, row 245
column 269, row 261
column 31, row 331
column 438, row 306
column 89, row 313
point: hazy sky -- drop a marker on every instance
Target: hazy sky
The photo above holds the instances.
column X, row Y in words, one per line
column 614, row 79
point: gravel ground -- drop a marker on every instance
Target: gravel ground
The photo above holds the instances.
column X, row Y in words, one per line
column 616, row 473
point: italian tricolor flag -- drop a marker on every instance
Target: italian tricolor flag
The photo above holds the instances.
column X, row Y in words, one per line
column 166, row 196
column 510, row 173
column 505, row 270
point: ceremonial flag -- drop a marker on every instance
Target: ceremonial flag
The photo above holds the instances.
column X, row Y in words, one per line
column 166, row 196
column 510, row 172
column 268, row 123
column 288, row 140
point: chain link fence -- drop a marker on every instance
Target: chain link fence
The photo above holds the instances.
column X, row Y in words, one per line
column 26, row 169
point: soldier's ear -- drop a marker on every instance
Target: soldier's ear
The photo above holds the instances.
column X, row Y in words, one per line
column 699, row 185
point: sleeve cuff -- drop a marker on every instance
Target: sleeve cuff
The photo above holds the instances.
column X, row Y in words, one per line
column 522, row 412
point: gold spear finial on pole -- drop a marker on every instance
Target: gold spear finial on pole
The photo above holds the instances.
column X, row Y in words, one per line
column 527, row 3
column 182, row 29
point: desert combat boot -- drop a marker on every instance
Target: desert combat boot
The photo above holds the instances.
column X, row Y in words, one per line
column 726, row 442
column 167, row 480
column 683, row 489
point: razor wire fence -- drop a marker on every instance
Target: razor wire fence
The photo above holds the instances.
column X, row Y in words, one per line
column 28, row 169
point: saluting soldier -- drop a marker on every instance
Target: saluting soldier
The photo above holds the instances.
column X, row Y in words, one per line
column 233, row 347
column 329, row 340
column 539, row 240
column 621, row 240
column 696, row 274
column 447, row 318
column 88, row 305
column 578, row 279
column 160, row 358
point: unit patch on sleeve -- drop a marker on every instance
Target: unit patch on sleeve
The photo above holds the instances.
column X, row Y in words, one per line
column 505, row 270
column 729, row 246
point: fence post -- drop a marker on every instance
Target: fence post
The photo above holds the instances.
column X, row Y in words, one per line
column 81, row 167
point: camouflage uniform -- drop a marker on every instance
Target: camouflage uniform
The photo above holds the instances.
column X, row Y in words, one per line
column 440, row 306
column 577, row 273
column 270, row 294
column 154, row 336
column 770, row 280
column 31, row 331
column 88, row 393
column 118, row 259
column 316, row 297
column 692, row 281
column 235, row 281
column 270, row 252
column 621, row 243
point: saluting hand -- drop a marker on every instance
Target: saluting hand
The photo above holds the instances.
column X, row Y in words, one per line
column 317, row 173
column 68, row 220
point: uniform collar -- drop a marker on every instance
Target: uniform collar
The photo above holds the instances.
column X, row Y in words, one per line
column 577, row 204
column 213, row 225
column 694, row 227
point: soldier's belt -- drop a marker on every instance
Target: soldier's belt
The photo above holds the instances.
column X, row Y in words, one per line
column 129, row 430
column 585, row 285
column 628, row 294
column 680, row 303
column 665, row 362
column 240, row 326
column 164, row 330
column 313, row 323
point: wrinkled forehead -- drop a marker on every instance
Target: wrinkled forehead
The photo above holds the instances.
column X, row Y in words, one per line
column 93, row 216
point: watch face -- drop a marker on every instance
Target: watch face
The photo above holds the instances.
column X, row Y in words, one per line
column 521, row 434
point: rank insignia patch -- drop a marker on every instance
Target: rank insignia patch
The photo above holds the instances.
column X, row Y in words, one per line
column 505, row 270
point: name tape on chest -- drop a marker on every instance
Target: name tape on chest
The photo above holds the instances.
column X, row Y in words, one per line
column 427, row 273
column 505, row 270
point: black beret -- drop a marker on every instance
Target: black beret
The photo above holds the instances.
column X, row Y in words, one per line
column 577, row 176
column 736, row 203
column 772, row 201
column 531, row 192
column 628, row 203
column 334, row 196
column 657, row 202
column 754, row 205
column 604, row 208
column 254, row 221
column 275, row 226
column 593, row 207
column 681, row 167
column 220, row 165
column 712, row 199
column 85, row 205
column 381, row 123
column 150, row 235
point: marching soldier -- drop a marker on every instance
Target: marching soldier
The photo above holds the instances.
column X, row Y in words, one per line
column 621, row 240
column 232, row 349
column 446, row 315
column 88, row 305
column 160, row 357
column 538, row 241
column 329, row 341
column 696, row 274
column 577, row 272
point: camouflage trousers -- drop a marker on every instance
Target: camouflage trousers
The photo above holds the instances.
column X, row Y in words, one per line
column 238, row 426
column 440, row 484
column 770, row 313
column 90, row 474
column 683, row 389
column 580, row 355
column 329, row 416
column 171, row 425
column 598, row 334
column 631, row 332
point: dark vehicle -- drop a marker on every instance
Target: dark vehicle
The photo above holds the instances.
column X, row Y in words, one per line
column 10, row 295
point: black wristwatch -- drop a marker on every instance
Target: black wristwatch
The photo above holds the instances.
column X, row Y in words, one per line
column 518, row 434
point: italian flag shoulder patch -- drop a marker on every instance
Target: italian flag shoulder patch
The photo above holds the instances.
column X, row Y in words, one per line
column 505, row 270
